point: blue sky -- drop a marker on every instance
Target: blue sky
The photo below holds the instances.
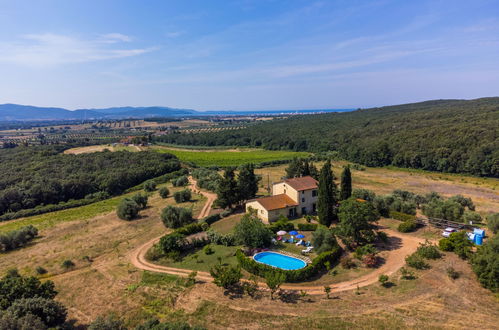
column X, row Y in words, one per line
column 246, row 54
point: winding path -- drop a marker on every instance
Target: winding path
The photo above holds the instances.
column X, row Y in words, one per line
column 393, row 262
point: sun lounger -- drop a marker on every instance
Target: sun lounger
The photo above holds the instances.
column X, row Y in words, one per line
column 291, row 240
column 307, row 250
column 300, row 242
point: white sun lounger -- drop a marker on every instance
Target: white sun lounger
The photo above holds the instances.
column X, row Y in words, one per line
column 307, row 250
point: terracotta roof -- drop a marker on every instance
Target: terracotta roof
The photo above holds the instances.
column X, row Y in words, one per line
column 303, row 183
column 276, row 202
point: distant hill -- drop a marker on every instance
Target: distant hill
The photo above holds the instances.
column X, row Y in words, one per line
column 459, row 136
column 16, row 112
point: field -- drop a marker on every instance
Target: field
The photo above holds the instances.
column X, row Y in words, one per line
column 110, row 147
column 231, row 157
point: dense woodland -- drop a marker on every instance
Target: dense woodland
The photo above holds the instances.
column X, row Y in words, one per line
column 454, row 136
column 42, row 175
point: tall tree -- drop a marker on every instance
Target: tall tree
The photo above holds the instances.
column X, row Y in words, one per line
column 326, row 202
column 247, row 182
column 346, row 184
column 227, row 189
column 356, row 222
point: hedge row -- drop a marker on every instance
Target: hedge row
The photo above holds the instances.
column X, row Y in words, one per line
column 307, row 226
column 317, row 265
column 402, row 216
column 160, row 179
column 192, row 228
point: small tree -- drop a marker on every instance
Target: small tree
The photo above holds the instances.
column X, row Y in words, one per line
column 182, row 196
column 327, row 290
column 149, row 185
column 141, row 200
column 164, row 192
column 251, row 232
column 181, row 181
column 50, row 312
column 346, row 184
column 274, row 280
column 127, row 209
column 226, row 276
column 67, row 264
column 485, row 264
column 356, row 217
column 323, row 239
column 175, row 217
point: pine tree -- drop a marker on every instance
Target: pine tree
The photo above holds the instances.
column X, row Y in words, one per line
column 305, row 169
column 346, row 184
column 294, row 168
column 247, row 183
column 227, row 189
column 326, row 202
column 314, row 173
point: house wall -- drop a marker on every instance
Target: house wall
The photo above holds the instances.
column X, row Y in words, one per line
column 275, row 214
column 283, row 188
column 262, row 213
column 307, row 200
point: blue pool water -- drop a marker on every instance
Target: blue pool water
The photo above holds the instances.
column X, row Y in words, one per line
column 279, row 260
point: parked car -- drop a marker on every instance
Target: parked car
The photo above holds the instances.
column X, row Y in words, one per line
column 447, row 231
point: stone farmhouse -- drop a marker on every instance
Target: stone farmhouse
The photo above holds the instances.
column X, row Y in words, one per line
column 290, row 198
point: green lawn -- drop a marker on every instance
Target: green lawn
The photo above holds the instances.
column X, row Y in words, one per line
column 226, row 225
column 230, row 158
column 204, row 261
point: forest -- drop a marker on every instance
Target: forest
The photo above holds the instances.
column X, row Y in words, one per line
column 456, row 136
column 36, row 176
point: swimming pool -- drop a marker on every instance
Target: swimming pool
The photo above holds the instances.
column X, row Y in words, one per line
column 279, row 260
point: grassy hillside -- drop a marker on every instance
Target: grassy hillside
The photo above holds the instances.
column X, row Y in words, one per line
column 457, row 136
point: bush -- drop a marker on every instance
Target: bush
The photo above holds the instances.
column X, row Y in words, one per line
column 452, row 273
column 458, row 243
column 149, row 185
column 211, row 219
column 141, row 200
column 312, row 269
column 493, row 222
column 347, row 263
column 485, row 264
column 383, row 279
column 40, row 270
column 407, row 226
column 402, row 216
column 17, row 238
column 307, row 226
column 50, row 312
column 67, row 264
column 191, row 228
column 182, row 196
column 176, row 217
column 445, row 244
column 363, row 250
column 471, row 217
column 181, row 181
column 225, row 213
column 221, row 239
column 14, row 286
column 416, row 261
column 127, row 209
column 208, row 250
column 173, row 242
column 164, row 192
column 407, row 274
column 428, row 251
column 107, row 323
column 323, row 239
column 281, row 224
column 370, row 260
column 226, row 276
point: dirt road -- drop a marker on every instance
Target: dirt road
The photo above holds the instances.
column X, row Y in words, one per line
column 394, row 260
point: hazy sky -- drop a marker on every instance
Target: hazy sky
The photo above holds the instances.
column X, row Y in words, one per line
column 246, row 54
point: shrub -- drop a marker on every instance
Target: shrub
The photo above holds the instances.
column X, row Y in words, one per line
column 452, row 273
column 182, row 196
column 208, row 250
column 382, row 237
column 225, row 213
column 149, row 185
column 383, row 279
column 363, row 250
column 107, row 323
column 407, row 274
column 416, row 261
column 274, row 280
column 407, row 226
column 370, row 260
column 493, row 222
column 127, row 209
column 323, row 239
column 428, row 250
column 191, row 228
column 50, row 312
column 281, row 224
column 226, row 276
column 175, row 217
column 141, row 200
column 485, row 264
column 307, row 226
column 14, row 286
column 17, row 238
column 164, row 192
column 173, row 242
column 67, row 264
column 402, row 216
column 458, row 243
column 221, row 239
column 445, row 244
column 471, row 217
column 181, row 181
column 40, row 270
column 347, row 263
column 211, row 219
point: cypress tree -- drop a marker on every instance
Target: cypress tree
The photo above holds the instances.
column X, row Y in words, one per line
column 227, row 194
column 346, row 184
column 247, row 182
column 326, row 202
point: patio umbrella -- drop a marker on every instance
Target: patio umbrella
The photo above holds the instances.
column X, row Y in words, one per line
column 281, row 233
column 300, row 236
column 293, row 232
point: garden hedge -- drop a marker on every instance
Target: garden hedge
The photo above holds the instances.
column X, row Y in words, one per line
column 307, row 226
column 312, row 269
column 402, row 216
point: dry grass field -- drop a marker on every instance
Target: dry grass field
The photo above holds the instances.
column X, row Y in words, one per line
column 103, row 280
